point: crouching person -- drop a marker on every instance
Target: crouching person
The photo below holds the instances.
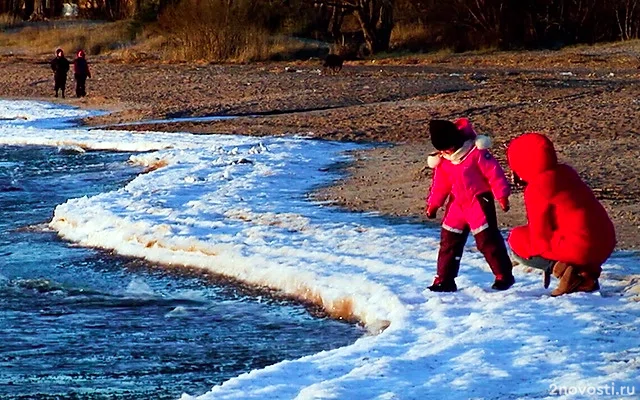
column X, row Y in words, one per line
column 468, row 179
column 569, row 232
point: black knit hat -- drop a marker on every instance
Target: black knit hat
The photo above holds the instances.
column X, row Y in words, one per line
column 445, row 135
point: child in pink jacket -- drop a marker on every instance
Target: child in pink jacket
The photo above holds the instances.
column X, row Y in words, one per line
column 467, row 178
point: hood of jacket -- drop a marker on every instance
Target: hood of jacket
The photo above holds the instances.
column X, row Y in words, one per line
column 531, row 154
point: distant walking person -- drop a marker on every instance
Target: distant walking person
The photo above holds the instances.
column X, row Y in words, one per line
column 60, row 67
column 81, row 72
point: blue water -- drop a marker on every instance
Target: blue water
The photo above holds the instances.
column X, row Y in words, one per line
column 79, row 323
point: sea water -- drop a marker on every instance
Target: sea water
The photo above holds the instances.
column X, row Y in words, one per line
column 78, row 323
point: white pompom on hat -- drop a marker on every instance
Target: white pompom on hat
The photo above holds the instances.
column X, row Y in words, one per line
column 483, row 142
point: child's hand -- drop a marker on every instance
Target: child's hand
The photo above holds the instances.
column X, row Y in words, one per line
column 431, row 212
column 504, row 204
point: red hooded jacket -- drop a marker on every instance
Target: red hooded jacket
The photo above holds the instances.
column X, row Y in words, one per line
column 566, row 221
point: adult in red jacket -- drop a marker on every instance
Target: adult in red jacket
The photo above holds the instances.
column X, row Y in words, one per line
column 568, row 227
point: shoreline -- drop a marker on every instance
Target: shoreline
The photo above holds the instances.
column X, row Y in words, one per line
column 588, row 109
column 403, row 185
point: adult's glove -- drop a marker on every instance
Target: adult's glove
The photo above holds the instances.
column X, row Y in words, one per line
column 504, row 204
column 431, row 212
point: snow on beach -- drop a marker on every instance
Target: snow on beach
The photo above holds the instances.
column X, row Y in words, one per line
column 238, row 206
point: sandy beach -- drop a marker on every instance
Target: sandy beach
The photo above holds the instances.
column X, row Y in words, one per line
column 586, row 99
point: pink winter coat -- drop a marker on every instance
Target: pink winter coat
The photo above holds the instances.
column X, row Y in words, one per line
column 475, row 173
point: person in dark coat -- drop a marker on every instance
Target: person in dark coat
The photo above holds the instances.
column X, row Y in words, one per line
column 60, row 68
column 81, row 72
column 569, row 232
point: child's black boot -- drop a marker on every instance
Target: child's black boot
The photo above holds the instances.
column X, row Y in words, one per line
column 503, row 283
column 441, row 285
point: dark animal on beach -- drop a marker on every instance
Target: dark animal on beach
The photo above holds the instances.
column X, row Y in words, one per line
column 333, row 62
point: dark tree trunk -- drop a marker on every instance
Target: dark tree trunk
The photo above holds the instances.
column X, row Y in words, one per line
column 38, row 11
column 17, row 7
column 376, row 21
column 374, row 16
column 28, row 8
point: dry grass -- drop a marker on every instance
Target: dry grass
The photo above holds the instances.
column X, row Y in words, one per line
column 412, row 37
column 205, row 31
column 211, row 32
column 220, row 31
column 93, row 37
column 182, row 34
column 288, row 48
column 8, row 21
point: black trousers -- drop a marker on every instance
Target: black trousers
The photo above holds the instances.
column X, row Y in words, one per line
column 60, row 83
column 81, row 80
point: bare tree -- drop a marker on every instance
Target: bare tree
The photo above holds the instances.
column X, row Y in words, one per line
column 38, row 11
column 374, row 16
column 627, row 18
column 13, row 7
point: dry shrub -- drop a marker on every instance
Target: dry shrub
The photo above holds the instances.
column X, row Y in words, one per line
column 411, row 36
column 291, row 48
column 213, row 31
column 8, row 21
column 93, row 37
